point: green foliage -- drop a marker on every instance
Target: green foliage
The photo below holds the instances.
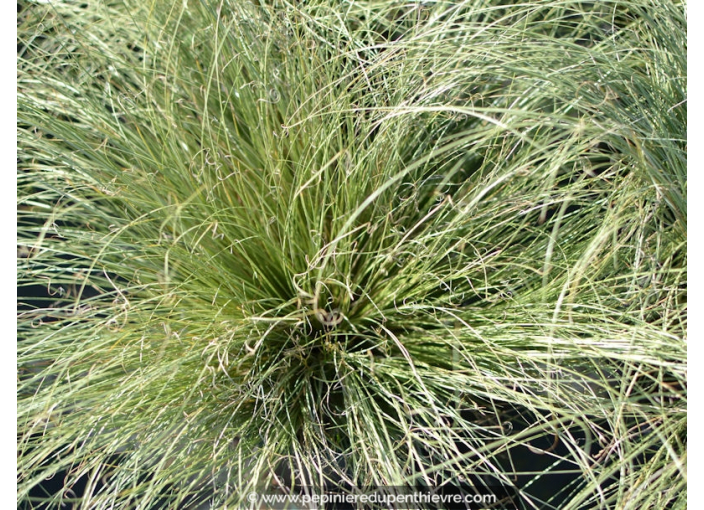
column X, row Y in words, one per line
column 368, row 243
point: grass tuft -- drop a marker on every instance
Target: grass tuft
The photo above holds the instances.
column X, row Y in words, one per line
column 268, row 245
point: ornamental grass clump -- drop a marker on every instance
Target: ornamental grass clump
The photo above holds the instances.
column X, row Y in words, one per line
column 271, row 246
